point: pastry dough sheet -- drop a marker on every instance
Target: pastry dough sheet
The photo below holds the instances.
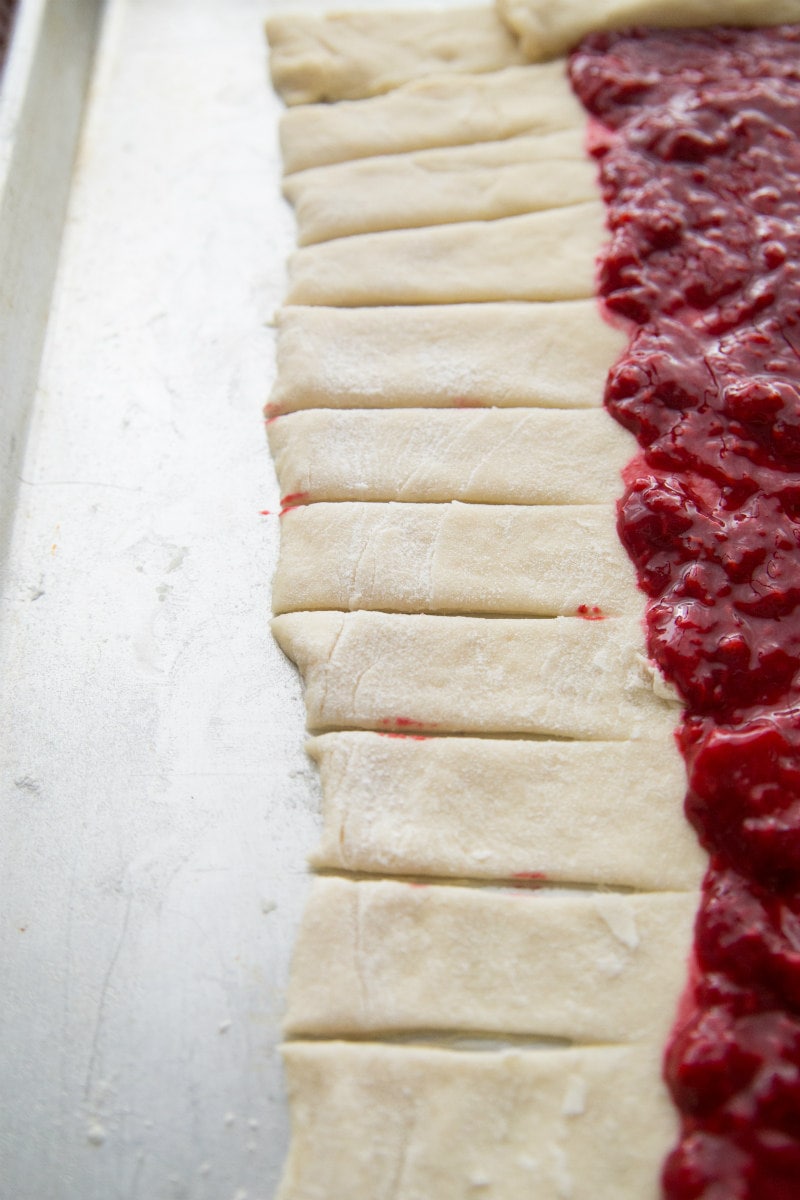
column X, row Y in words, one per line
column 449, row 1124
column 577, row 812
column 441, row 187
column 493, row 456
column 351, row 55
column 539, row 256
column 454, row 558
column 553, row 355
column 439, row 110
column 393, row 957
column 546, row 29
column 562, row 677
column 443, row 453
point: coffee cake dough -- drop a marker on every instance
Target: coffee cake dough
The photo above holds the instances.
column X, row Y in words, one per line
column 564, row 677
column 482, row 456
column 607, row 813
column 539, row 256
column 440, row 110
column 441, row 187
column 417, row 312
column 515, row 1124
column 546, row 29
column 395, row 957
column 350, row 55
column 542, row 561
column 549, row 355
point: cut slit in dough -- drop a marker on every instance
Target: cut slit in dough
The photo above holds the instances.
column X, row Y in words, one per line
column 438, row 187
column 539, row 256
column 392, row 957
column 458, row 558
column 562, row 677
column 554, row 355
column 483, row 456
column 594, row 812
column 444, row 1124
column 347, row 56
column 439, row 110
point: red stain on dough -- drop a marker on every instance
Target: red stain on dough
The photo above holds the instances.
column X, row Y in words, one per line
column 293, row 499
column 407, row 723
column 591, row 612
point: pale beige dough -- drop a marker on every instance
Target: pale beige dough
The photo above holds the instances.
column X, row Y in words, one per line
column 553, row 355
column 461, row 558
column 576, row 812
column 440, row 110
column 441, row 187
column 561, row 1124
column 419, row 222
column 539, row 256
column 395, row 957
column 547, row 29
column 350, row 55
column 562, row 677
column 490, row 456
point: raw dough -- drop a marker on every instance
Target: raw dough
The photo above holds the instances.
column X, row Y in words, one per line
column 346, row 56
column 562, row 677
column 491, row 456
column 458, row 558
column 440, row 187
column 553, row 355
column 419, row 222
column 547, row 29
column 540, row 256
column 390, row 957
column 592, row 812
column 420, row 1123
column 440, row 110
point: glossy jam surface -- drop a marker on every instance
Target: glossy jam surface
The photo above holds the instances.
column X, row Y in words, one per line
column 697, row 135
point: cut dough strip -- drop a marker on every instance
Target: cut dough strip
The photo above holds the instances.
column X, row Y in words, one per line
column 590, row 812
column 439, row 110
column 490, row 456
column 562, row 677
column 347, row 56
column 540, row 256
column 506, row 355
column 457, row 558
column 547, row 29
column 442, row 187
column 398, row 957
column 588, row 1124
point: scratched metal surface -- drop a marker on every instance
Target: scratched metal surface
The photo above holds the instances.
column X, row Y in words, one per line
column 157, row 803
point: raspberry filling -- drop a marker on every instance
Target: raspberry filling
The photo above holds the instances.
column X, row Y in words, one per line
column 697, row 136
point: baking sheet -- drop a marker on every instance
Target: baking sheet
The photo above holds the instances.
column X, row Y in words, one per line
column 157, row 802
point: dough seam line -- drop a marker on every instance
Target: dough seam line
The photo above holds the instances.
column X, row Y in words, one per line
column 505, row 885
column 477, row 1043
column 270, row 415
column 470, row 614
column 490, row 735
column 462, row 614
column 537, row 504
column 525, row 131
